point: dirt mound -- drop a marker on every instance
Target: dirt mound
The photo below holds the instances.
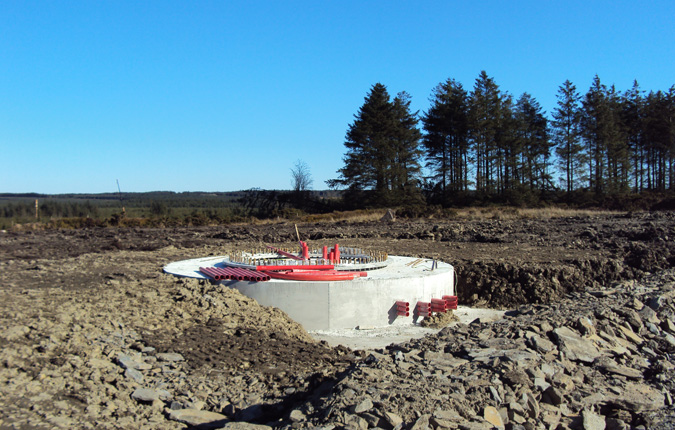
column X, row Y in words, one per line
column 439, row 320
column 94, row 335
column 236, row 333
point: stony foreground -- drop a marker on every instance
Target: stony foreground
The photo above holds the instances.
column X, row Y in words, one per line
column 93, row 335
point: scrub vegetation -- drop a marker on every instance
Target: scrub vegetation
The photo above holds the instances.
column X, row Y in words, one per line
column 164, row 209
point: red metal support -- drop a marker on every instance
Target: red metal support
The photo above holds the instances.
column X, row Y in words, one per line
column 402, row 308
column 423, row 309
column 235, row 273
column 314, row 275
column 451, row 301
column 290, row 267
column 305, row 250
column 284, row 253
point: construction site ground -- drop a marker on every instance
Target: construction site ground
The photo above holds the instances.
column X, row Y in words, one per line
column 73, row 301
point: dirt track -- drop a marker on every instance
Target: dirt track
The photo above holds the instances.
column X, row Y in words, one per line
column 73, row 301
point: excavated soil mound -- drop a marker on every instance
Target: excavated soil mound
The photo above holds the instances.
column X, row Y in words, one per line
column 94, row 335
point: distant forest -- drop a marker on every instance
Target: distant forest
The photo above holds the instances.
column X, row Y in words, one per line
column 161, row 208
column 603, row 149
column 485, row 145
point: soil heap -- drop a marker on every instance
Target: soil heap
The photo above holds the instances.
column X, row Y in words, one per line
column 93, row 335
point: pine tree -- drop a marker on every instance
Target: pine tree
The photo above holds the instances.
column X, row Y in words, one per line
column 405, row 166
column 484, row 115
column 652, row 123
column 367, row 142
column 507, row 146
column 382, row 151
column 534, row 143
column 670, row 99
column 633, row 122
column 566, row 135
column 446, row 139
column 593, row 113
column 618, row 149
column 606, row 140
column 659, row 135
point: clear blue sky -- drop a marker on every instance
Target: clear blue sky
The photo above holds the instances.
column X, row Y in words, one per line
column 227, row 95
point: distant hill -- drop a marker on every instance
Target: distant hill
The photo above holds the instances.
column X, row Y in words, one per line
column 151, row 195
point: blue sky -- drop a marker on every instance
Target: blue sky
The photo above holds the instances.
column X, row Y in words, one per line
column 227, row 95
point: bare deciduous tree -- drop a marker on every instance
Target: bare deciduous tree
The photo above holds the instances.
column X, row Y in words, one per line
column 301, row 179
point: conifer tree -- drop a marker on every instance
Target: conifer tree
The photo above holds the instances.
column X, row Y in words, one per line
column 633, row 122
column 404, row 170
column 534, row 143
column 670, row 98
column 507, row 146
column 446, row 139
column 566, row 135
column 484, row 114
column 607, row 145
column 382, row 151
column 618, row 150
column 659, row 135
column 367, row 141
column 593, row 112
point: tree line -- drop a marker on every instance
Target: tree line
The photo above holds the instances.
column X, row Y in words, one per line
column 485, row 142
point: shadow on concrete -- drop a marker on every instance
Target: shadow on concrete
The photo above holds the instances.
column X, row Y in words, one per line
column 393, row 314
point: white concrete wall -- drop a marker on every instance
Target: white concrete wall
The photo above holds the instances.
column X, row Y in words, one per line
column 371, row 302
column 305, row 302
column 363, row 302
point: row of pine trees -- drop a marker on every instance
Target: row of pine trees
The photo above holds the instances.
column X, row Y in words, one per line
column 486, row 142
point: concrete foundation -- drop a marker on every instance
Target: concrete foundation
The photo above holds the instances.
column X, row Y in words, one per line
column 327, row 305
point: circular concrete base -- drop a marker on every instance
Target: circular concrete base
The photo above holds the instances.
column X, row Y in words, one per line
column 364, row 302
column 380, row 337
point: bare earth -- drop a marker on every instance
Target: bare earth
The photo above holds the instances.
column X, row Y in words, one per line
column 87, row 317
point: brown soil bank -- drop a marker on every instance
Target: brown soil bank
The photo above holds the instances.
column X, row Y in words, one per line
column 503, row 263
column 94, row 335
column 500, row 263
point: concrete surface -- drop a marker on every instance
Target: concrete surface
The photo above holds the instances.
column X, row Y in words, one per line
column 328, row 305
column 378, row 338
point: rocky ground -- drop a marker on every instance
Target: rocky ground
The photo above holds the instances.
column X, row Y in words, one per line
column 94, row 335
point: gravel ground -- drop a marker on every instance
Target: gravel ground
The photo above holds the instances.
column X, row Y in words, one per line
column 94, row 335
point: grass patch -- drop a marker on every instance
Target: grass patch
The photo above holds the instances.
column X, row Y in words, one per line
column 513, row 213
column 360, row 215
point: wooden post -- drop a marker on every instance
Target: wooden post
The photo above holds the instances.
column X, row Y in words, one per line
column 36, row 209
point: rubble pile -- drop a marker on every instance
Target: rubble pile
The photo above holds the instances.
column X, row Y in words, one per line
column 598, row 359
column 93, row 335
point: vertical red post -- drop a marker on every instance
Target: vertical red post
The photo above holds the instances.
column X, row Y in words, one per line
column 325, row 253
column 337, row 253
